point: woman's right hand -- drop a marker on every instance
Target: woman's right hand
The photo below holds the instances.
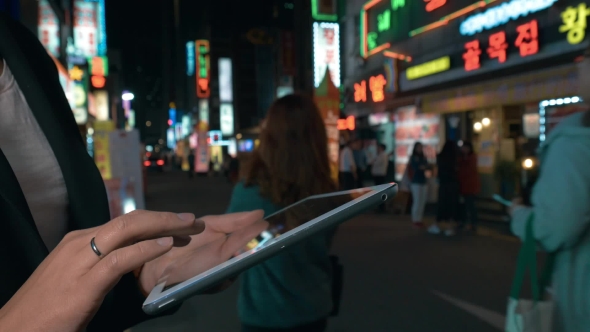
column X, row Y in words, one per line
column 67, row 289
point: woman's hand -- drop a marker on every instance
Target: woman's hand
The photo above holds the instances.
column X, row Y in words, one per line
column 66, row 290
column 224, row 235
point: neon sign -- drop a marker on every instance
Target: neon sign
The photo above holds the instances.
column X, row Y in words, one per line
column 360, row 91
column 369, row 40
column 429, row 68
column 99, row 69
column 396, row 4
column 434, row 4
column 574, row 23
column 203, row 68
column 471, row 56
column 347, row 124
column 376, row 85
column 498, row 46
column 384, row 21
column 501, row 14
column 528, row 38
column 190, row 58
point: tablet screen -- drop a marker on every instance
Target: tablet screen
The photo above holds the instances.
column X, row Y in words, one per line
column 297, row 215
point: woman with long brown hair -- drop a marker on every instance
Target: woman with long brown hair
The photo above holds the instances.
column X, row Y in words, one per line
column 292, row 291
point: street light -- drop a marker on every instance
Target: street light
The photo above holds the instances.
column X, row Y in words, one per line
column 128, row 96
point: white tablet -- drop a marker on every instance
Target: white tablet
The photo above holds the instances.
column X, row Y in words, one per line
column 314, row 214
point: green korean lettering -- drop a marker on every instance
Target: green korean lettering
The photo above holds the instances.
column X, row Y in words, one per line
column 372, row 40
column 395, row 4
column 384, row 21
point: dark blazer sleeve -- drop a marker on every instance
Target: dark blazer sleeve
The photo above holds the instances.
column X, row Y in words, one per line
column 38, row 79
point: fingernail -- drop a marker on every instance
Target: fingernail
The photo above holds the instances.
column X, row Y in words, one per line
column 186, row 216
column 200, row 224
column 165, row 241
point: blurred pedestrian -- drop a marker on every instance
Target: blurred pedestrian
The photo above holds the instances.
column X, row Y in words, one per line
column 65, row 266
column 469, row 186
column 233, row 170
column 448, row 189
column 292, row 291
column 191, row 164
column 348, row 170
column 360, row 160
column 379, row 168
column 561, row 213
column 417, row 173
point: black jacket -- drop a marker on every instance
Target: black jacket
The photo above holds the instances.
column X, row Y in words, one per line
column 21, row 246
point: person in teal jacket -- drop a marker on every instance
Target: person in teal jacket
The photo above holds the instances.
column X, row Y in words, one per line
column 561, row 206
column 293, row 290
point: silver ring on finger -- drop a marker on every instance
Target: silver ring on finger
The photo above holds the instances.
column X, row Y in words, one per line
column 95, row 248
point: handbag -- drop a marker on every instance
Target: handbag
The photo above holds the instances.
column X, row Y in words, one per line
column 337, row 283
column 534, row 315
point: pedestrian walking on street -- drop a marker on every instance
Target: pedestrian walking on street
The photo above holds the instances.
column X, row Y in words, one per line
column 379, row 169
column 291, row 291
column 348, row 170
column 360, row 160
column 448, row 189
column 417, row 172
column 469, row 186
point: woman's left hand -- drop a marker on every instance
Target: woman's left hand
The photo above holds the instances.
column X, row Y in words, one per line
column 223, row 236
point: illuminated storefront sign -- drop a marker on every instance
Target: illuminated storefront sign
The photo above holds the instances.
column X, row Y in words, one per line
column 203, row 68
column 429, row 68
column 204, row 110
column 527, row 41
column 99, row 68
column 190, row 58
column 86, row 28
column 326, row 52
column 226, row 93
column 574, row 23
column 347, row 124
column 48, row 28
column 79, row 94
column 501, row 14
column 434, row 4
column 102, row 28
column 324, row 10
column 377, row 85
column 360, row 91
column 226, row 119
column 101, row 103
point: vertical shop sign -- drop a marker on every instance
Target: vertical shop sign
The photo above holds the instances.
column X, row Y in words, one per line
column 376, row 85
column 528, row 38
column 190, row 58
column 226, row 91
column 471, row 56
column 498, row 46
column 574, row 23
column 203, row 68
column 99, row 68
column 327, row 97
column 326, row 52
column 202, row 155
column 48, row 28
column 79, row 94
column 102, row 154
column 85, row 28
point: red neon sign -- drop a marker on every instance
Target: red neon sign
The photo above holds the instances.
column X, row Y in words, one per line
column 98, row 81
column 471, row 56
column 528, row 38
column 203, row 73
column 434, row 4
column 360, row 91
column 498, row 46
column 376, row 84
column 347, row 124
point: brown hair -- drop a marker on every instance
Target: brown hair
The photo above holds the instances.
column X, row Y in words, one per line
column 291, row 162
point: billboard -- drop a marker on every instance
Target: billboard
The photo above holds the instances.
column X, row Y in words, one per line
column 48, row 28
column 226, row 93
column 86, row 30
column 326, row 52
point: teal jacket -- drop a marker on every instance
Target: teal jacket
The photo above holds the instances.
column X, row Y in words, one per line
column 561, row 207
column 291, row 289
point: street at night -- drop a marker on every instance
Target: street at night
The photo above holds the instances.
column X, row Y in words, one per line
column 396, row 278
